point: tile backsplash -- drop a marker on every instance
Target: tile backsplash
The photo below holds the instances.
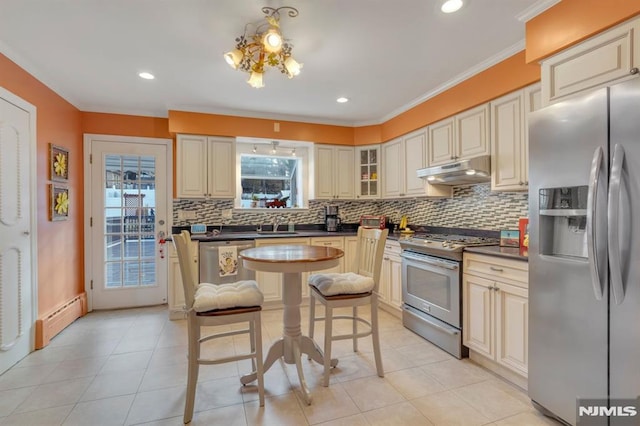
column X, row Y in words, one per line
column 471, row 207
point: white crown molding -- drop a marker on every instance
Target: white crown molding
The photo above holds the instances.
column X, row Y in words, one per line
column 536, row 9
column 487, row 63
column 36, row 72
column 263, row 115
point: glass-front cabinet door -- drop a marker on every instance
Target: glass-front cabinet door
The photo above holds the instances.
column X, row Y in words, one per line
column 368, row 171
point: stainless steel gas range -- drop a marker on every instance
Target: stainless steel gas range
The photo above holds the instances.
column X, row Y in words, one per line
column 432, row 287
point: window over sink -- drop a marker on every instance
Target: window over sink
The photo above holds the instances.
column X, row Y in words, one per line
column 268, row 180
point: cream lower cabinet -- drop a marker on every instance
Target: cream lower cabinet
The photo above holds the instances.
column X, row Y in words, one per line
column 177, row 308
column 336, row 242
column 495, row 311
column 390, row 287
column 270, row 283
column 350, row 247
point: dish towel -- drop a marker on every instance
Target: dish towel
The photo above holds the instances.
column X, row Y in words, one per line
column 228, row 261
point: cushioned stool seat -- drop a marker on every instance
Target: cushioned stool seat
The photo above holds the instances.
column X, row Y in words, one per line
column 241, row 294
column 348, row 283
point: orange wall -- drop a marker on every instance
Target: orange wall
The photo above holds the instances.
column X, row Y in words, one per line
column 227, row 125
column 572, row 21
column 125, row 125
column 60, row 244
column 509, row 75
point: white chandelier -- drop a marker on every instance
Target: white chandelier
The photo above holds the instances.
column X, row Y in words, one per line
column 264, row 46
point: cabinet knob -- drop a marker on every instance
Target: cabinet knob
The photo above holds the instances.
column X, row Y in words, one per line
column 493, row 268
column 634, row 71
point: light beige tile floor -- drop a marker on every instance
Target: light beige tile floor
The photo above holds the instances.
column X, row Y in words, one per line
column 129, row 367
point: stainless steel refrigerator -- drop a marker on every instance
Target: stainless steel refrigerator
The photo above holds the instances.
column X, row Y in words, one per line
column 584, row 254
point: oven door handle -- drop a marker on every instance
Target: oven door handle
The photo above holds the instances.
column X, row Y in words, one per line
column 449, row 330
column 431, row 261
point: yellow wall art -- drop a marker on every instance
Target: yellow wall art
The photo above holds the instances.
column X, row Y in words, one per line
column 59, row 202
column 59, row 163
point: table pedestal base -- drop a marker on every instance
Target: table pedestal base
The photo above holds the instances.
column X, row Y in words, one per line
column 293, row 344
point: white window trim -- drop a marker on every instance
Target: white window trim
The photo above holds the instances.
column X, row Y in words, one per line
column 284, row 147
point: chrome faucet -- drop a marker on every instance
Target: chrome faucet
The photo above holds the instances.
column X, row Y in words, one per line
column 276, row 221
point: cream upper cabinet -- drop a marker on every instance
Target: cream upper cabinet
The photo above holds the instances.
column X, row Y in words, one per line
column 608, row 57
column 334, row 172
column 392, row 169
column 508, row 150
column 368, row 172
column 415, row 157
column 532, row 102
column 472, row 132
column 205, row 167
column 496, row 309
column 510, row 139
column 401, row 158
column 441, row 142
column 463, row 136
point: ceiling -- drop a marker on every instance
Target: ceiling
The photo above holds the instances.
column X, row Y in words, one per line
column 384, row 56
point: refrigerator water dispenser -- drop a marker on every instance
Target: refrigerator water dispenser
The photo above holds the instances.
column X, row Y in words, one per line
column 563, row 219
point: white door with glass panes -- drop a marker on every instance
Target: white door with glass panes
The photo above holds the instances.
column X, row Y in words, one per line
column 128, row 208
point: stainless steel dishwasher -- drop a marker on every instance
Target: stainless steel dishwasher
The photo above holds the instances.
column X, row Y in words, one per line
column 210, row 269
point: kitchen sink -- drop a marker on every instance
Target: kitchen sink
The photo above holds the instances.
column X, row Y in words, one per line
column 277, row 232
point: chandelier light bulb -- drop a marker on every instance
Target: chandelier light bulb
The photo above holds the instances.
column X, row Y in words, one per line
column 450, row 6
column 292, row 66
column 255, row 80
column 233, row 58
column 272, row 40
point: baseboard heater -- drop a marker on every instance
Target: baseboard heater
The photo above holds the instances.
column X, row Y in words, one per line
column 58, row 319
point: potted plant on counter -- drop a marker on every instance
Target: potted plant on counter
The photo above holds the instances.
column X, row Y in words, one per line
column 254, row 200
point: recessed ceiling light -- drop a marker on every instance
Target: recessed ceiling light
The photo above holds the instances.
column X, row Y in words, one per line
column 342, row 100
column 146, row 75
column 451, row 6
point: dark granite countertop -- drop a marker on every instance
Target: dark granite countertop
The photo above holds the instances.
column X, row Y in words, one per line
column 507, row 252
column 242, row 232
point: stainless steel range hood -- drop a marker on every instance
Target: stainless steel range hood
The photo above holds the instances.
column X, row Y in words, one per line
column 463, row 172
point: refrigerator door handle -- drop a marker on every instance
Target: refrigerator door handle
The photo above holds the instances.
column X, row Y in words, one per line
column 592, row 196
column 613, row 234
